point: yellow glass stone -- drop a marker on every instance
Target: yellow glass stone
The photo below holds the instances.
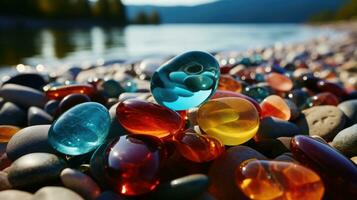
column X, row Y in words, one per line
column 232, row 120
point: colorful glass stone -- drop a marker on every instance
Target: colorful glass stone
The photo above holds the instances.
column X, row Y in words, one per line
column 132, row 164
column 142, row 117
column 324, row 98
column 279, row 82
column 338, row 172
column 224, row 93
column 60, row 92
column 256, row 92
column 260, row 179
column 186, row 81
column 130, row 86
column 81, row 129
column 197, row 147
column 227, row 82
column 326, row 86
column 6, row 132
column 299, row 97
column 275, row 106
column 111, row 88
column 231, row 120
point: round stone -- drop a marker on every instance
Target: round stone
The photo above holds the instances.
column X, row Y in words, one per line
column 75, row 180
column 31, row 139
column 188, row 187
column 22, row 95
column 349, row 108
column 56, row 193
column 324, row 121
column 186, row 81
column 271, row 127
column 15, row 195
column 346, row 141
column 32, row 80
column 72, row 100
column 81, row 129
column 37, row 116
column 279, row 82
column 11, row 114
column 35, row 168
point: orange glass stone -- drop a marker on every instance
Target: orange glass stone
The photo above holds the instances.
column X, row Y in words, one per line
column 6, row 132
column 142, row 117
column 197, row 147
column 260, row 179
column 275, row 106
column 279, row 82
column 60, row 92
column 227, row 82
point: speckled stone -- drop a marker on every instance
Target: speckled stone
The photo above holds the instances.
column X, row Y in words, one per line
column 35, row 168
column 324, row 121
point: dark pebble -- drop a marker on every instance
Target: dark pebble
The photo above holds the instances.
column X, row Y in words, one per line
column 11, row 114
column 22, row 95
column 29, row 140
column 271, row 127
column 35, row 169
column 349, row 108
column 37, row 116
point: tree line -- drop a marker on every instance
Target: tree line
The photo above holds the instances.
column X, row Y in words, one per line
column 346, row 12
column 109, row 10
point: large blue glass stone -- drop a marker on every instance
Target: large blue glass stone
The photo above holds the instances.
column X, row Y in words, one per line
column 81, row 129
column 186, row 81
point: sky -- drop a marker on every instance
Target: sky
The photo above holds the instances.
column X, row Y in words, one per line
column 166, row 2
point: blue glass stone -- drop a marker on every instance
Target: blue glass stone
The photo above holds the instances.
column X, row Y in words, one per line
column 130, row 86
column 257, row 92
column 81, row 129
column 186, row 81
column 112, row 88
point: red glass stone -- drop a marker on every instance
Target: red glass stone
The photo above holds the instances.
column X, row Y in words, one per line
column 279, row 82
column 324, row 98
column 260, row 179
column 132, row 164
column 227, row 82
column 59, row 93
column 338, row 172
column 197, row 147
column 223, row 93
column 225, row 69
column 326, row 86
column 142, row 117
column 275, row 106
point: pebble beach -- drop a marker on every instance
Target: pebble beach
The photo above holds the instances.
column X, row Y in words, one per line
column 278, row 122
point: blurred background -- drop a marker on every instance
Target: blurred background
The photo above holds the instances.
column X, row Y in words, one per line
column 73, row 32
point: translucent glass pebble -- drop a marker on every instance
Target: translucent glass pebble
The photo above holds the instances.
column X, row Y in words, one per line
column 279, row 82
column 186, row 81
column 7, row 131
column 132, row 164
column 60, row 92
column 142, row 117
column 198, row 147
column 232, row 120
column 81, row 129
column 275, row 106
column 260, row 180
